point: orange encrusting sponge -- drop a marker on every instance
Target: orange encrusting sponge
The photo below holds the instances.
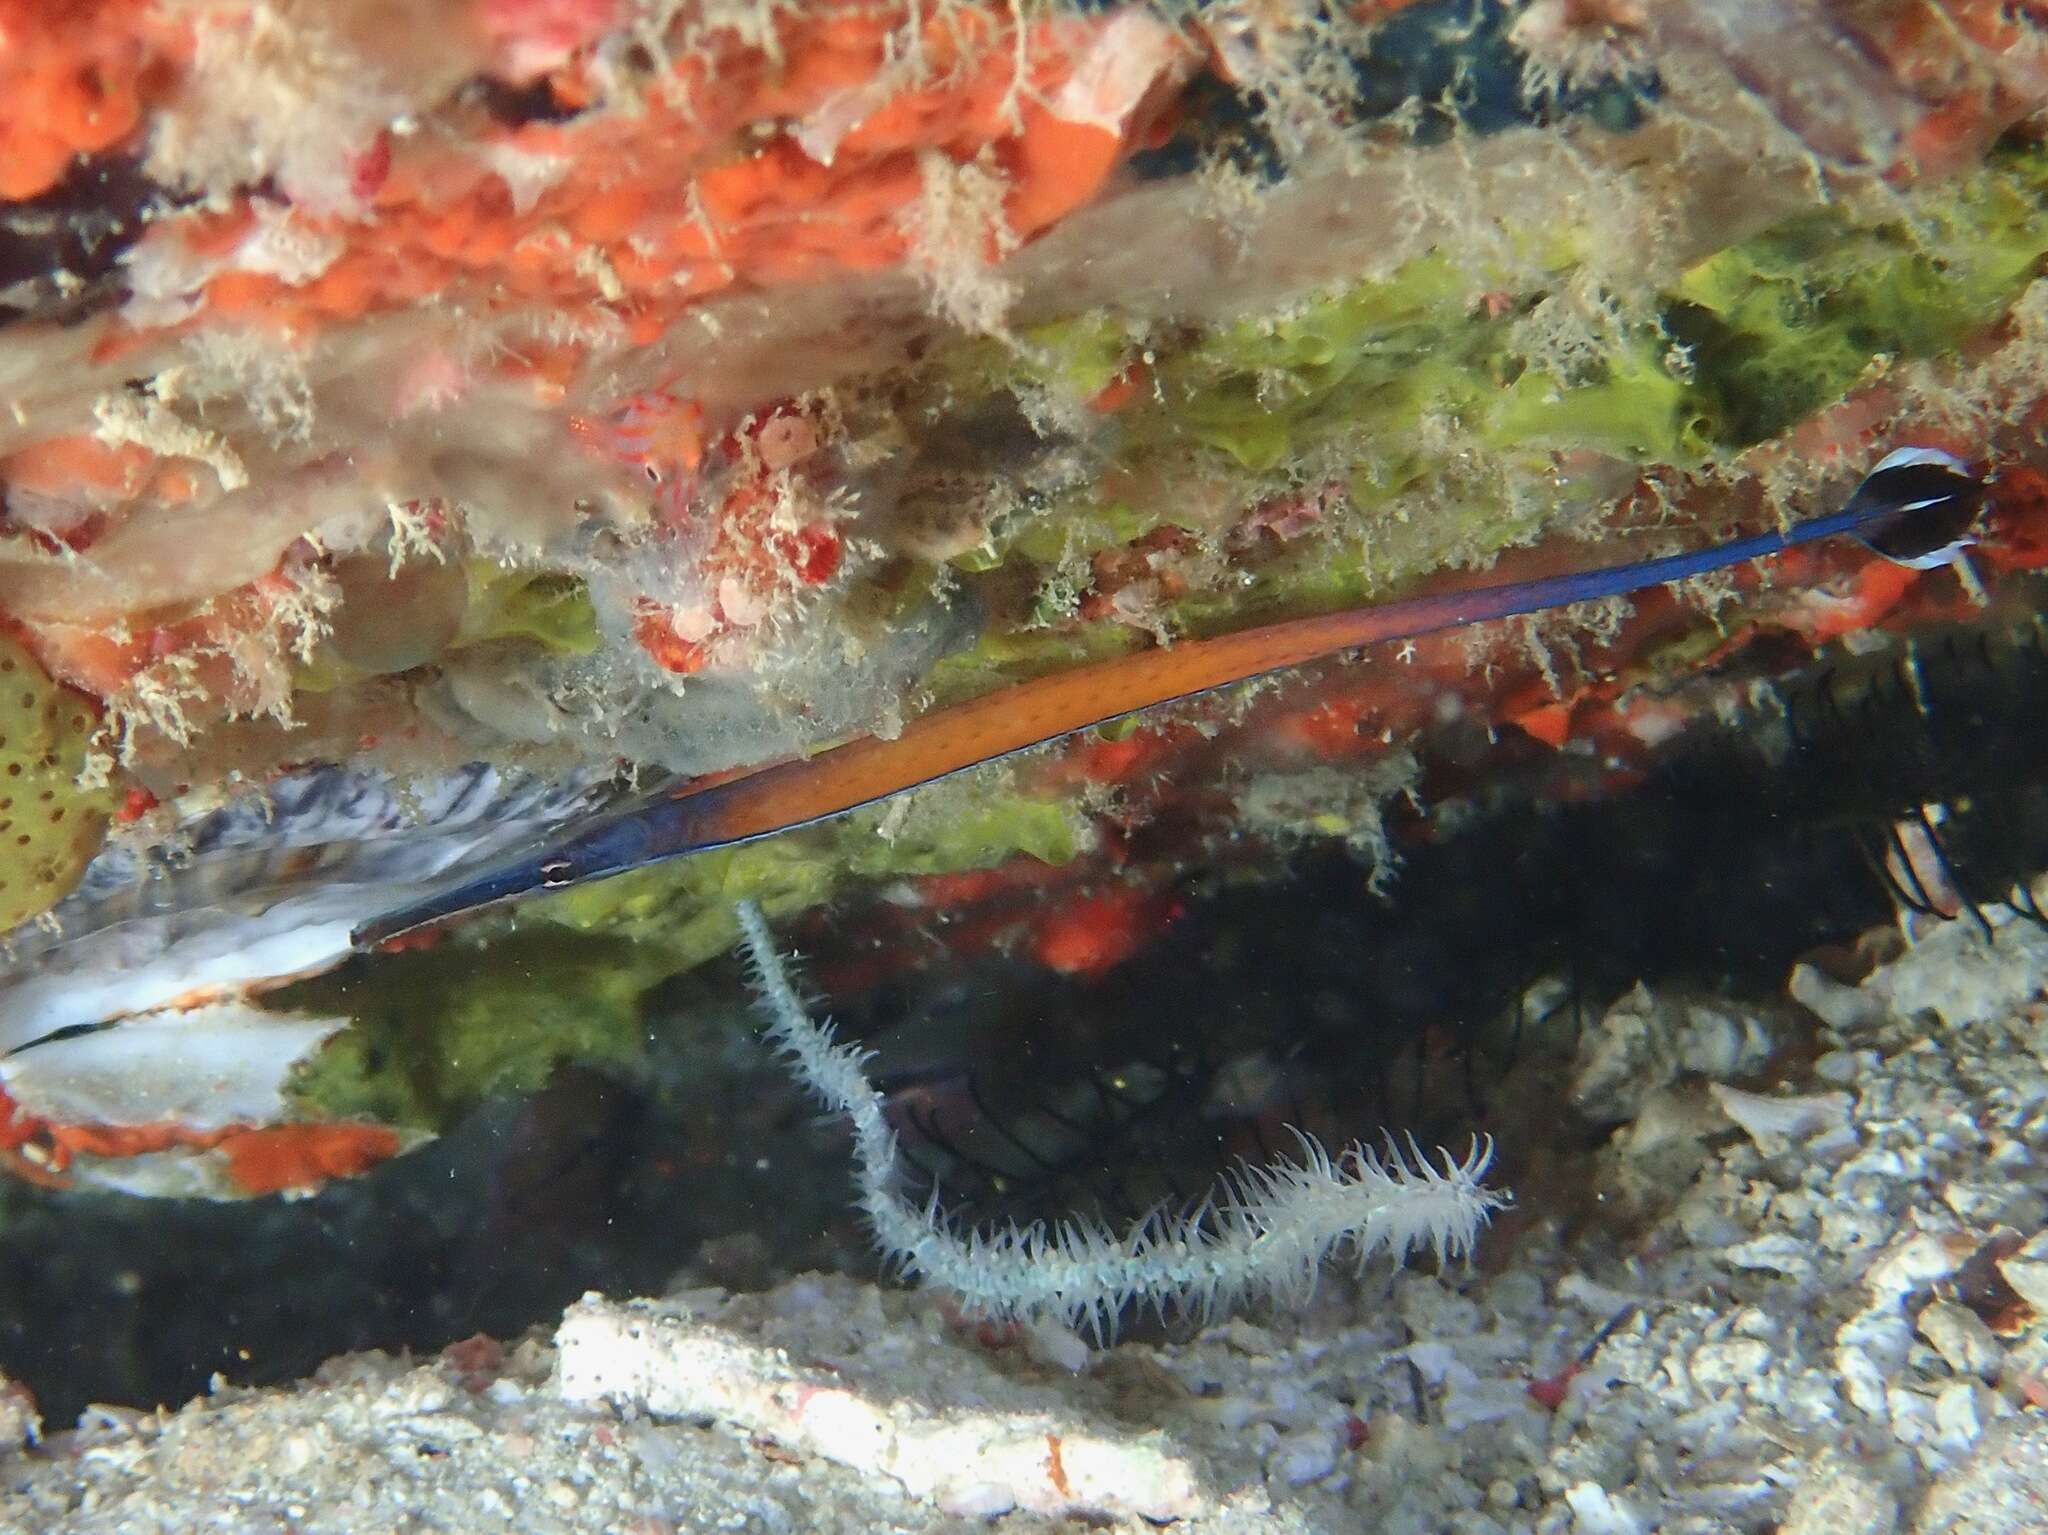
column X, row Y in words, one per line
column 260, row 1159
column 75, row 78
column 746, row 167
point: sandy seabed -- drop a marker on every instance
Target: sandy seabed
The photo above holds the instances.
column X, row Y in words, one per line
column 1829, row 1313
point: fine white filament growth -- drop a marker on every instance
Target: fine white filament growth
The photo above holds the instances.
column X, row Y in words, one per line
column 1263, row 1232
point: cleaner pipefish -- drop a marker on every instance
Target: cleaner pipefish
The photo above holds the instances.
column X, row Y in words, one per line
column 1917, row 507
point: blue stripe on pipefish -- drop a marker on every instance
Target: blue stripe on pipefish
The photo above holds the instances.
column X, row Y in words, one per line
column 1916, row 507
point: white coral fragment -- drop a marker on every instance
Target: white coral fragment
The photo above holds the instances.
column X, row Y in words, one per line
column 968, row 1439
column 1776, row 1122
column 1646, row 1041
column 123, row 418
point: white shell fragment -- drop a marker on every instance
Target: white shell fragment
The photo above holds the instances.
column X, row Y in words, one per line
column 2027, row 1272
column 1775, row 1123
column 203, row 1069
column 272, row 889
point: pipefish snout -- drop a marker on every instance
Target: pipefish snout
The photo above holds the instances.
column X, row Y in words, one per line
column 1917, row 507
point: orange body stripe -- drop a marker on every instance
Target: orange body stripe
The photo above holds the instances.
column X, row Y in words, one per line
column 1043, row 709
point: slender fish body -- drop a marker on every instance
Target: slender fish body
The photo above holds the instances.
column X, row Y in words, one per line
column 1916, row 508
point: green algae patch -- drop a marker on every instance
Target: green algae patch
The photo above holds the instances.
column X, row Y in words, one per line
column 1360, row 368
column 1782, row 324
column 544, row 608
column 1077, row 358
column 683, row 910
column 1084, row 525
column 959, row 825
column 1373, row 363
column 1383, row 386
column 551, row 610
column 50, row 827
column 1371, row 358
column 438, row 1031
column 1631, row 407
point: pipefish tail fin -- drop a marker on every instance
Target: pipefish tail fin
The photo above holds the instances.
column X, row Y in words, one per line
column 800, row 792
column 1926, row 503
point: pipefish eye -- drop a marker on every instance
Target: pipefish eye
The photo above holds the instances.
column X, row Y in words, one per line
column 556, row 873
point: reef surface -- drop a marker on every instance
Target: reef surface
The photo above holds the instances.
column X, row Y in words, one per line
column 425, row 431
column 428, row 432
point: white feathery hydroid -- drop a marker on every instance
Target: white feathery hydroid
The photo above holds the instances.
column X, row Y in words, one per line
column 1263, row 1232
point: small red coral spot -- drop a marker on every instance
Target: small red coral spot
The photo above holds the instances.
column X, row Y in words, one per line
column 1549, row 1392
column 1121, row 390
column 655, row 632
column 476, row 1360
column 367, row 175
column 1056, row 1467
column 418, row 939
column 813, row 552
column 1094, row 933
column 1550, row 723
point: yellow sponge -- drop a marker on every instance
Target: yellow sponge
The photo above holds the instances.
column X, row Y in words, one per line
column 49, row 826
